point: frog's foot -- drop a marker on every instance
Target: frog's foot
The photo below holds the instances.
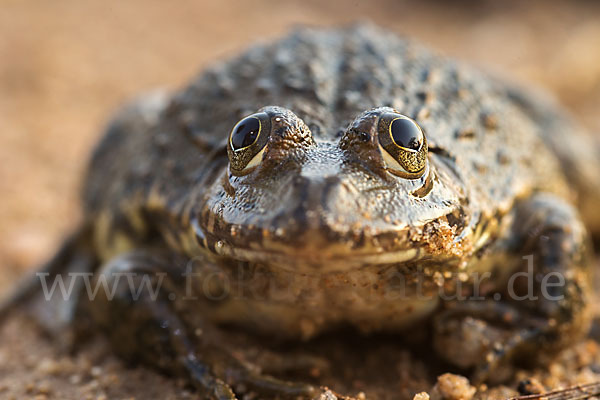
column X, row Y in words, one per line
column 290, row 363
column 138, row 313
column 483, row 336
column 545, row 305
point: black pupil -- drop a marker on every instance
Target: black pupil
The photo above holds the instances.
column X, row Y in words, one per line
column 245, row 133
column 406, row 134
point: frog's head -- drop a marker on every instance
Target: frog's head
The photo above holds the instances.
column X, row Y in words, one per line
column 370, row 195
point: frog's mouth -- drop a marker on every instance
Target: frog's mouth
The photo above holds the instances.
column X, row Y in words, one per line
column 314, row 260
column 323, row 254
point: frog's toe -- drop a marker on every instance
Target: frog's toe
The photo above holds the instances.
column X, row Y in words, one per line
column 496, row 363
column 485, row 336
column 267, row 386
column 200, row 378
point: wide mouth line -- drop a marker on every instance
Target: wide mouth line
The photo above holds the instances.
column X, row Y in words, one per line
column 321, row 261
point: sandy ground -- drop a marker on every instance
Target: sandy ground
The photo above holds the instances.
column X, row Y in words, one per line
column 66, row 65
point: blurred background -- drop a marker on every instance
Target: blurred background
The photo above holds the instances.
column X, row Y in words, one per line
column 66, row 65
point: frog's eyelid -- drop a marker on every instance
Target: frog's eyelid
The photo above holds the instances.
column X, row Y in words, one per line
column 257, row 159
column 390, row 162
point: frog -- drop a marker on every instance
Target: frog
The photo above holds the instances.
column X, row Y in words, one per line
column 337, row 177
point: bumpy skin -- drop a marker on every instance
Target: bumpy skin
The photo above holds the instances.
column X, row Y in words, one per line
column 320, row 233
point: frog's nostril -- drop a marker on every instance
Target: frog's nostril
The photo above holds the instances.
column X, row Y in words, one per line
column 313, row 193
column 330, row 190
column 364, row 136
column 300, row 184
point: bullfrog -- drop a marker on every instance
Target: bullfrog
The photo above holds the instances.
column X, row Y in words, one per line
column 337, row 178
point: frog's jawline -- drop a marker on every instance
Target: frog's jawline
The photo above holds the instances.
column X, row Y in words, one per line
column 305, row 260
column 316, row 263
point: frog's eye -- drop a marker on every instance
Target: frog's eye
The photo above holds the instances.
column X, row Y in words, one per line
column 247, row 142
column 403, row 145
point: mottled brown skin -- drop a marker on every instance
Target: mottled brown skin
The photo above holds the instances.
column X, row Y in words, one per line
column 320, row 232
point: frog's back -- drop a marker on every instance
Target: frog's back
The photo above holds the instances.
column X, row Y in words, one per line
column 495, row 138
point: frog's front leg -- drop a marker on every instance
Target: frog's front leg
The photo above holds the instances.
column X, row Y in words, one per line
column 545, row 304
column 550, row 237
column 137, row 311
